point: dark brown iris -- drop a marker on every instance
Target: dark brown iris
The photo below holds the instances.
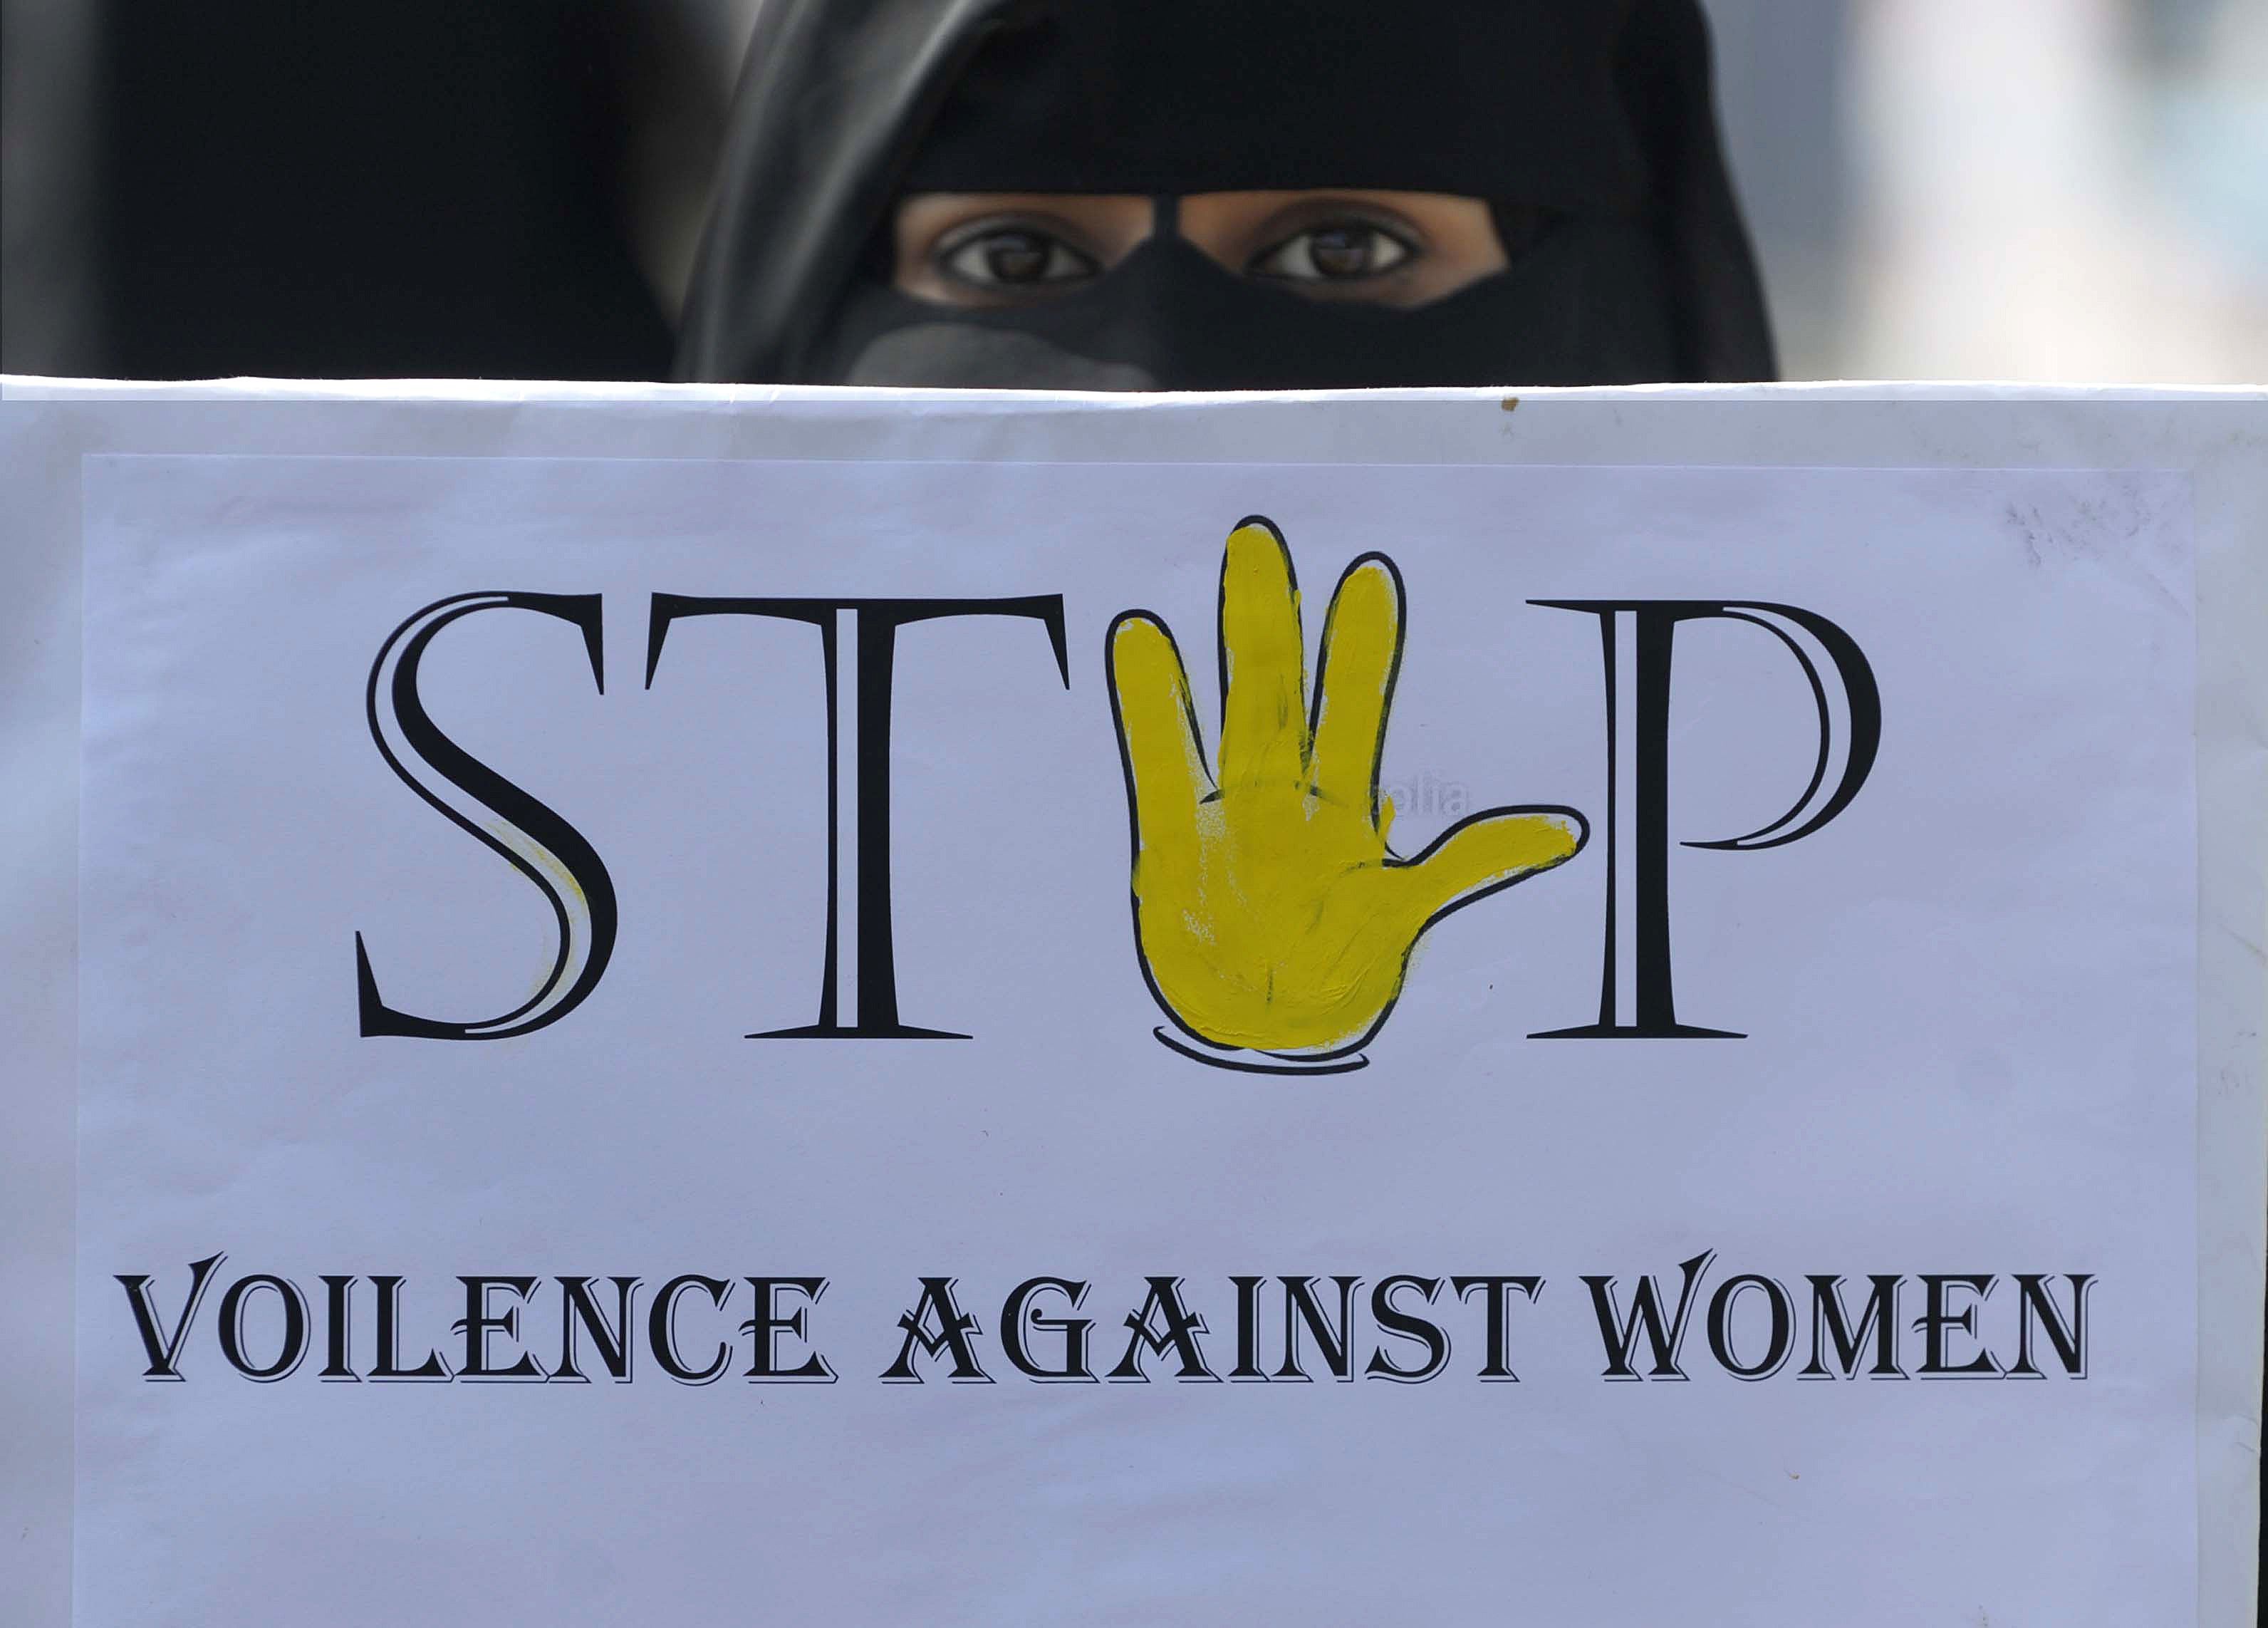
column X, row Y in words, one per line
column 1341, row 251
column 1016, row 256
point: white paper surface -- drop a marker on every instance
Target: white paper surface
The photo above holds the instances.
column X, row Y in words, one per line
column 1969, row 1002
column 2210, row 446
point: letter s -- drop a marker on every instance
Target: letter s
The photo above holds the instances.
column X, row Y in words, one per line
column 539, row 844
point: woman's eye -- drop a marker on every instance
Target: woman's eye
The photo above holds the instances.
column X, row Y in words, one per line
column 1014, row 257
column 1337, row 252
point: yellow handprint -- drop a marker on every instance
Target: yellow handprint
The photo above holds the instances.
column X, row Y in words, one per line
column 1270, row 914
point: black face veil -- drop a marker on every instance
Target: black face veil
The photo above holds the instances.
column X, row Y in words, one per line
column 1591, row 117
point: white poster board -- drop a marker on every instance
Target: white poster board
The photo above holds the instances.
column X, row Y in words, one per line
column 847, row 1032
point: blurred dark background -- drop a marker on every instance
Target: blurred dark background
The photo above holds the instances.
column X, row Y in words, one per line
column 2044, row 189
column 303, row 188
column 414, row 187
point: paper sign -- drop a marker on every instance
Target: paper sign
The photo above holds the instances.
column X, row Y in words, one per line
column 1002, row 1043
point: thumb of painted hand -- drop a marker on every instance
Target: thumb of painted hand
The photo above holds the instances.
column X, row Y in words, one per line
column 1488, row 851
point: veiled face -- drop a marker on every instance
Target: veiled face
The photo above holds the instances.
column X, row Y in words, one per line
column 1396, row 249
column 1188, row 195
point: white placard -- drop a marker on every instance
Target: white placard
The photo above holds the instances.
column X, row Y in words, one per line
column 339, row 1039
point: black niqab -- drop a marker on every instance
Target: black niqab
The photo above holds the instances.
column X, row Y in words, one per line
column 1593, row 117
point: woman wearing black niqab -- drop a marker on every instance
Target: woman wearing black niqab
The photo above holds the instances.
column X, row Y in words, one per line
column 1225, row 195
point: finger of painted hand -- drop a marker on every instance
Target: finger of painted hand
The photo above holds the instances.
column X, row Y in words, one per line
column 1264, row 725
column 1354, row 681
column 1491, row 849
column 1157, row 728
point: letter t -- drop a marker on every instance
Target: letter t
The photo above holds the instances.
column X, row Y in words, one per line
column 858, row 638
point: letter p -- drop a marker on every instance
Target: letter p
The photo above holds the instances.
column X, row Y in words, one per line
column 1636, row 999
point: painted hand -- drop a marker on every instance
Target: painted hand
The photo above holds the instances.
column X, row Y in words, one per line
column 1270, row 914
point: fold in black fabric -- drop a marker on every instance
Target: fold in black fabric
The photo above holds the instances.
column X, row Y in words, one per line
column 1596, row 112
